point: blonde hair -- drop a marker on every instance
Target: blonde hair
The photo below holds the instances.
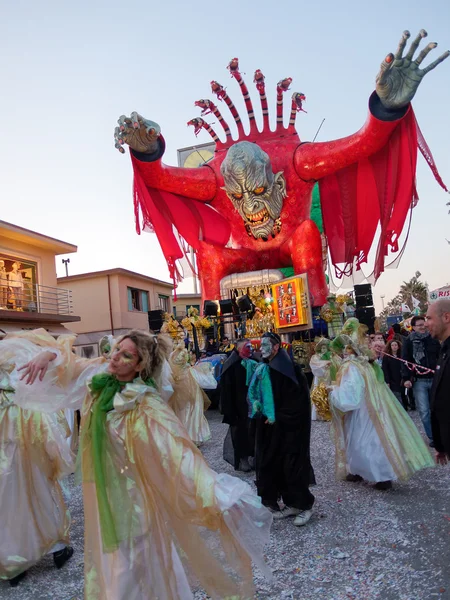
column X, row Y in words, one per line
column 152, row 349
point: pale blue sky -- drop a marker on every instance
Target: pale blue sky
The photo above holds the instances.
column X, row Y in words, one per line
column 70, row 69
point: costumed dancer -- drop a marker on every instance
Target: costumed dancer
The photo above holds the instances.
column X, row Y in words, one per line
column 154, row 510
column 375, row 438
column 188, row 400
column 324, row 365
column 35, row 456
column 239, row 443
column 279, row 400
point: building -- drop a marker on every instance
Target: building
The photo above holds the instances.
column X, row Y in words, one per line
column 113, row 302
column 184, row 301
column 29, row 295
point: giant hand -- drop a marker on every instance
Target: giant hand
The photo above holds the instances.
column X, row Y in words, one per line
column 400, row 76
column 139, row 133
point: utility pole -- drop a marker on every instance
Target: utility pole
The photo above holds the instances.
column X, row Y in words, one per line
column 65, row 263
column 382, row 300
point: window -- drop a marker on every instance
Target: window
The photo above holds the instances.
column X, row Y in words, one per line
column 17, row 284
column 137, row 300
column 87, row 351
column 164, row 303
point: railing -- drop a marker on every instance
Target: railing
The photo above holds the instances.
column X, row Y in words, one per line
column 41, row 299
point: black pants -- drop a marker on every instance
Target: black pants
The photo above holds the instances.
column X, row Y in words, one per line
column 239, row 442
column 286, row 477
column 283, row 468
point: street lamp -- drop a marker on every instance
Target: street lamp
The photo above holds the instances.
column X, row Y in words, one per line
column 382, row 300
column 65, row 263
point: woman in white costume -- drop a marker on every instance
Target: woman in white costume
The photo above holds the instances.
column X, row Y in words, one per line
column 375, row 438
column 155, row 513
column 34, row 458
column 189, row 401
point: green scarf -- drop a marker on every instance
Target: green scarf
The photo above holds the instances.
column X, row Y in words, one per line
column 260, row 395
column 104, row 387
column 114, row 508
column 378, row 372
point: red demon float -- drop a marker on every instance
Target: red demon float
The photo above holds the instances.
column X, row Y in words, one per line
column 249, row 208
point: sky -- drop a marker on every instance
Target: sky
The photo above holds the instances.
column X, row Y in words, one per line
column 70, row 69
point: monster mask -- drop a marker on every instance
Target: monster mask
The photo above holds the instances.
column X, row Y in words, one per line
column 255, row 191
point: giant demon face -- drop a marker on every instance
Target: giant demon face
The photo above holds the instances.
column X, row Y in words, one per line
column 255, row 191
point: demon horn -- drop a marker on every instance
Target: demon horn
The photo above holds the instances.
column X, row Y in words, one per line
column 258, row 80
column 209, row 107
column 282, row 86
column 233, row 67
column 200, row 124
column 222, row 95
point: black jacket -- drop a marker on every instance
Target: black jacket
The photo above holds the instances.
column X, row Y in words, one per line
column 440, row 401
column 233, row 390
column 392, row 369
column 432, row 349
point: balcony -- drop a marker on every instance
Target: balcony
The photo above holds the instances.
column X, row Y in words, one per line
column 37, row 303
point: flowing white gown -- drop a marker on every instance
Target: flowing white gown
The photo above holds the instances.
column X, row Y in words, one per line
column 182, row 524
column 34, row 457
column 375, row 438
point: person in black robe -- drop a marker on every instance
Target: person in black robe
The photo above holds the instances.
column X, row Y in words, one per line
column 283, row 466
column 239, row 441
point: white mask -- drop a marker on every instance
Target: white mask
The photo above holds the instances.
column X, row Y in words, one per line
column 266, row 348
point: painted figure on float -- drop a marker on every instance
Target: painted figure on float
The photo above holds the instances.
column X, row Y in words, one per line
column 250, row 207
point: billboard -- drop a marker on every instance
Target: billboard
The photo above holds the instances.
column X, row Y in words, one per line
column 291, row 305
column 443, row 292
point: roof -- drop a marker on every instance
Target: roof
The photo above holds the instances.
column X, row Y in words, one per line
column 117, row 271
column 33, row 238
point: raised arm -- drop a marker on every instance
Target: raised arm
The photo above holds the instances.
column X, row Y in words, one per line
column 147, row 147
column 396, row 85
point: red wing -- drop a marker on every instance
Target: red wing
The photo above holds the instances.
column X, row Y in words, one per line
column 377, row 191
column 194, row 220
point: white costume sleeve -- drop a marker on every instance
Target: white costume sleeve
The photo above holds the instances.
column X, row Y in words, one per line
column 203, row 374
column 165, row 383
column 48, row 395
column 349, row 394
column 318, row 366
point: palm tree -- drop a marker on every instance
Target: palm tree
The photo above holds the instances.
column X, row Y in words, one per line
column 414, row 288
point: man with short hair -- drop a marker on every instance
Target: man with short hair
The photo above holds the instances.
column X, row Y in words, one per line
column 438, row 324
column 226, row 347
column 283, row 467
column 422, row 350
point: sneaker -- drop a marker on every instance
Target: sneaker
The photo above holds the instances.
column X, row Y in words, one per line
column 287, row 511
column 14, row 582
column 302, row 518
column 62, row 556
column 353, row 478
column 383, row 485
